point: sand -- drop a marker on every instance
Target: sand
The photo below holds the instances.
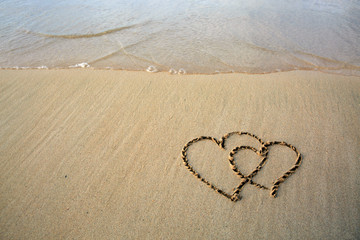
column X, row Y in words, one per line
column 92, row 154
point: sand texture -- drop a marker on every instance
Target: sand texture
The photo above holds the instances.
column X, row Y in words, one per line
column 92, row 154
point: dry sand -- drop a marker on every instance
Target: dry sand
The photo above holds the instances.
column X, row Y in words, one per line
column 91, row 154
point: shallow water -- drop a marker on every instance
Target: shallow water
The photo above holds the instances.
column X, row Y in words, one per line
column 193, row 37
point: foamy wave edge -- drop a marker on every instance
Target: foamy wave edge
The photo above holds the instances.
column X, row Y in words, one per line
column 182, row 71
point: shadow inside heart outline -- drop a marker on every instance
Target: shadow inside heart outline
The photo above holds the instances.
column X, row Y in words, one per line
column 248, row 178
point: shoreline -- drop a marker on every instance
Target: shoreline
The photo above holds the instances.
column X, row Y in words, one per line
column 96, row 154
column 182, row 74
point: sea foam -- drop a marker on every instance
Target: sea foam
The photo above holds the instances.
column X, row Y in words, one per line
column 80, row 65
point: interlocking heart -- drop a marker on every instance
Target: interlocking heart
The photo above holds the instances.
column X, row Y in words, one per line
column 245, row 179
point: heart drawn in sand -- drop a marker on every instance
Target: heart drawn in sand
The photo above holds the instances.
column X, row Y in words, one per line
column 263, row 152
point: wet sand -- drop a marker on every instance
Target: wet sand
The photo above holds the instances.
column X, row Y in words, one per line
column 96, row 154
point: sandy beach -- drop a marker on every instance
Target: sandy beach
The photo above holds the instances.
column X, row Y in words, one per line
column 96, row 154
